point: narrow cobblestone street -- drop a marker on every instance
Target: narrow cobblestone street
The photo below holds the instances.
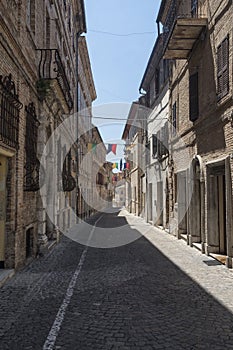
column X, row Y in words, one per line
column 154, row 293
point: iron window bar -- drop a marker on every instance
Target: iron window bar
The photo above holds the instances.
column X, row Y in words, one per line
column 9, row 112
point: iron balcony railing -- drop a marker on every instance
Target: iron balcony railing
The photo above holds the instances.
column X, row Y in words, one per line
column 51, row 67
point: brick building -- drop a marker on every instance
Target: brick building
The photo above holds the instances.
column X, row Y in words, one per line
column 134, row 135
column 39, row 58
column 195, row 38
column 198, row 40
column 156, row 89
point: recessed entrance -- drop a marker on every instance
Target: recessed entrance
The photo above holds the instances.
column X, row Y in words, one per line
column 29, row 242
column 217, row 210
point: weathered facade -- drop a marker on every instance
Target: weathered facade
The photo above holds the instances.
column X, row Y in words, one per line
column 199, row 39
column 40, row 61
column 189, row 186
column 156, row 89
column 134, row 135
column 86, row 95
column 99, row 172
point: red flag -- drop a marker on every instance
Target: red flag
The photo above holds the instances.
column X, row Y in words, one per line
column 114, row 146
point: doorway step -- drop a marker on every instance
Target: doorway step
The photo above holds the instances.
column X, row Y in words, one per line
column 220, row 257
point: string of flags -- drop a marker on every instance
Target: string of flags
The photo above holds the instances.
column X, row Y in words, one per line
column 91, row 147
column 121, row 166
column 112, row 147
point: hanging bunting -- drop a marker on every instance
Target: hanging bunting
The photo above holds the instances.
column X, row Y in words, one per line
column 91, row 147
column 121, row 164
column 112, row 148
column 114, row 165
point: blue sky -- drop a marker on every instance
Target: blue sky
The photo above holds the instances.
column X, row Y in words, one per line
column 119, row 61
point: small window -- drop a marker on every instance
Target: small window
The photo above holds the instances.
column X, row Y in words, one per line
column 223, row 68
column 163, row 140
column 174, row 118
column 32, row 164
column 152, row 91
column 193, row 97
column 154, row 145
column 157, row 81
column 47, row 31
column 31, row 15
column 64, row 3
column 194, row 8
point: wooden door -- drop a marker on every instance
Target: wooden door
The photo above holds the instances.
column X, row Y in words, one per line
column 3, row 172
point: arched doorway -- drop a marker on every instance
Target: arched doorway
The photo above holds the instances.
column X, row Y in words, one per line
column 197, row 204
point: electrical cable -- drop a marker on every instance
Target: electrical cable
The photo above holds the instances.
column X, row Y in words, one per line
column 115, row 34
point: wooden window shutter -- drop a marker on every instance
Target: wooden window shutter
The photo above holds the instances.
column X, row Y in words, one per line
column 193, row 97
column 223, row 68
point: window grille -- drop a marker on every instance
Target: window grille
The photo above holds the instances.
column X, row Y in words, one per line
column 32, row 164
column 68, row 181
column 9, row 112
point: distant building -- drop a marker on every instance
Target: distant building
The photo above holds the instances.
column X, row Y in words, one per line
column 119, row 194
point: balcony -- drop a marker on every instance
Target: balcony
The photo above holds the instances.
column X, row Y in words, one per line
column 182, row 28
column 51, row 67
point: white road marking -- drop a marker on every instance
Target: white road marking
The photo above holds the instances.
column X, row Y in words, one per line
column 55, row 329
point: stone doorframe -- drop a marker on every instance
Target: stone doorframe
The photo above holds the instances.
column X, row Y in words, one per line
column 224, row 162
column 197, row 202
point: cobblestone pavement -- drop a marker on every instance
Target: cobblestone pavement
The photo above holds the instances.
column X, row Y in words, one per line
column 155, row 293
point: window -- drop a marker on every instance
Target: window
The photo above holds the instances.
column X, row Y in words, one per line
column 31, row 15
column 154, row 145
column 69, row 18
column 194, row 8
column 193, row 97
column 223, row 68
column 64, row 3
column 32, row 164
column 68, row 182
column 165, row 70
column 47, row 31
column 152, row 91
column 9, row 112
column 157, row 81
column 147, row 152
column 174, row 118
column 163, row 141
